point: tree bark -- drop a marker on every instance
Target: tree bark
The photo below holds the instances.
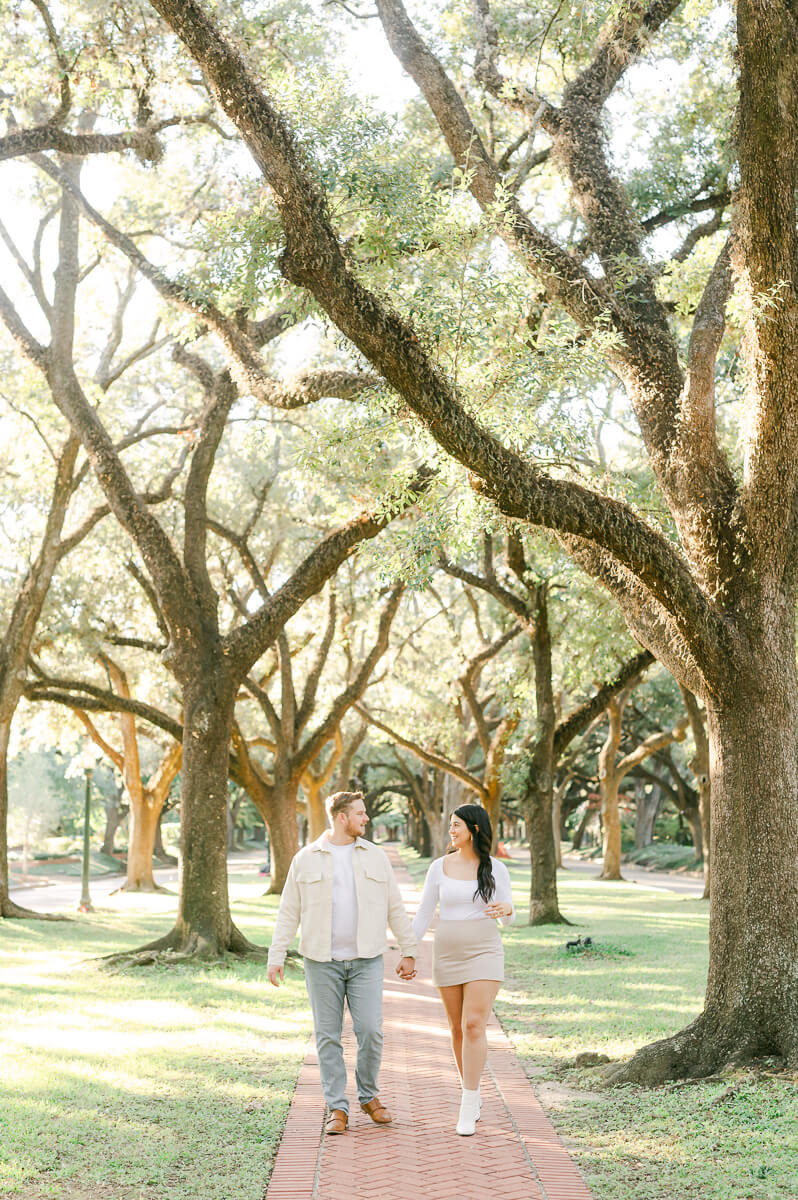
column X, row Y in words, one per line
column 204, row 926
column 751, row 1004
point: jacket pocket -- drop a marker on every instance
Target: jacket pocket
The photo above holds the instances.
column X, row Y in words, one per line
column 311, row 894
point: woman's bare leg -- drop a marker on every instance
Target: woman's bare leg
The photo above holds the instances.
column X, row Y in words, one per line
column 477, row 1006
column 452, row 998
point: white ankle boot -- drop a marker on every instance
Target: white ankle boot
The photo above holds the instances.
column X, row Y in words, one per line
column 469, row 1113
column 479, row 1102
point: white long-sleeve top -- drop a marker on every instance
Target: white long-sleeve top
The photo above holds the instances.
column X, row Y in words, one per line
column 456, row 897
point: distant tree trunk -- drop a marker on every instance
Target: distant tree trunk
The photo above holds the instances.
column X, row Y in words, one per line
column 608, row 787
column 611, row 837
column 705, row 794
column 7, row 906
column 537, row 802
column 316, row 785
column 612, row 771
column 343, row 771
column 146, row 803
column 283, row 833
column 699, row 765
column 693, row 818
column 317, row 813
column 556, row 816
column 493, row 769
column 276, row 801
column 115, row 813
column 647, row 809
column 159, row 851
column 146, row 806
column 143, row 829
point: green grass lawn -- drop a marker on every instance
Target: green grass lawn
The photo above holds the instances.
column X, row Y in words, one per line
column 173, row 1084
column 149, row 1084
column 735, row 1139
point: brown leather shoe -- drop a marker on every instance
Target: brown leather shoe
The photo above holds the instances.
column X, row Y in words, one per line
column 337, row 1121
column 377, row 1111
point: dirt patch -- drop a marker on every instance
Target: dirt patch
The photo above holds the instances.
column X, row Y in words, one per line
column 556, row 1096
column 76, row 1191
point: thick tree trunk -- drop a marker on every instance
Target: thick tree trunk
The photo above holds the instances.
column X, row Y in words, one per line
column 751, row 1005
column 204, row 925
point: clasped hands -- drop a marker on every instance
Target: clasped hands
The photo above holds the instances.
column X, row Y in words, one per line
column 406, row 968
column 497, row 910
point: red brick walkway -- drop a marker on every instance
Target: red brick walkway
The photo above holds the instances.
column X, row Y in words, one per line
column 514, row 1155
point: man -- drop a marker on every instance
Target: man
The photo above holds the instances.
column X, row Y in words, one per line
column 341, row 890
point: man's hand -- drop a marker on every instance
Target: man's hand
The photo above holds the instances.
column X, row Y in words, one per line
column 275, row 975
column 406, row 968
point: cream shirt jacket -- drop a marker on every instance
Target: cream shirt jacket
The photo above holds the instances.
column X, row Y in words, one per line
column 307, row 902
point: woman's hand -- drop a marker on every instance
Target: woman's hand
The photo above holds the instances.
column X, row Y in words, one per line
column 496, row 910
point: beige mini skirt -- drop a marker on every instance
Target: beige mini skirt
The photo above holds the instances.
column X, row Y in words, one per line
column 463, row 951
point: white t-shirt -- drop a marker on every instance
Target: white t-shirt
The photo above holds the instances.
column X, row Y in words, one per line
column 456, row 897
column 344, row 903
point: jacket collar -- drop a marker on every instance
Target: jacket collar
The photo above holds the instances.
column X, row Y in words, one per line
column 321, row 843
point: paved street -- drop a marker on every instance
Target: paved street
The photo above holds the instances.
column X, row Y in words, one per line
column 63, row 891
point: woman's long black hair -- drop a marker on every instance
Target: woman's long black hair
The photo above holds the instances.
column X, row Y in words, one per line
column 478, row 822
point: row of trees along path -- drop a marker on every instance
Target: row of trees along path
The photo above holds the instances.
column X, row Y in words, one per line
column 209, row 665
column 718, row 608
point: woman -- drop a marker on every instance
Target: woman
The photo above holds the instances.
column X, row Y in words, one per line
column 474, row 892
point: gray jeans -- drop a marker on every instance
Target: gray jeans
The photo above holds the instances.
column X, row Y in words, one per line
column 358, row 981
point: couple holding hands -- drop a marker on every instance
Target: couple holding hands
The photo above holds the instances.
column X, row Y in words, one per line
column 342, row 893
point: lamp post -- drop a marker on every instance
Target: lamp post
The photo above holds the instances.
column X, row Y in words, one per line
column 85, row 899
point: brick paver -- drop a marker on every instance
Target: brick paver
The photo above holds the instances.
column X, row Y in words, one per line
column 514, row 1155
